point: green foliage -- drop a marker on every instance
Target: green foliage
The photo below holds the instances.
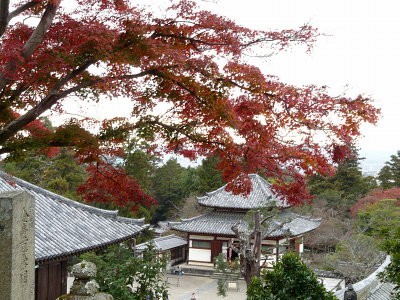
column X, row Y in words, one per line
column 290, row 279
column 391, row 246
column 345, row 188
column 167, row 187
column 118, row 269
column 209, row 176
column 228, row 272
column 92, row 257
column 389, row 175
column 375, row 216
column 139, row 164
column 191, row 183
column 60, row 174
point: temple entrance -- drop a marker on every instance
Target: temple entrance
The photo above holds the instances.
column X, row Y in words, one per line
column 234, row 255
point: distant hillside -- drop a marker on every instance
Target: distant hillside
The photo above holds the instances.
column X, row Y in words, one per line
column 374, row 160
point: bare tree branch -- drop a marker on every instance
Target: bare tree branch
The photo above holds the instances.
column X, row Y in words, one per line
column 21, row 9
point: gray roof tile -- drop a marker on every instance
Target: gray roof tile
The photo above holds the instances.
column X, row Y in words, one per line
column 384, row 291
column 261, row 195
column 164, row 243
column 219, row 222
column 64, row 227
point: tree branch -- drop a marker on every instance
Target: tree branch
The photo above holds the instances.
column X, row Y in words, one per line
column 52, row 98
column 4, row 15
column 33, row 42
column 177, row 129
column 21, row 9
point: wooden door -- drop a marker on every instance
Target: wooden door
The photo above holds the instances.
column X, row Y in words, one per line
column 51, row 280
column 216, row 248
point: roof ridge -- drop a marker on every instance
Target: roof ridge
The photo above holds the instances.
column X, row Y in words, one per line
column 29, row 186
column 160, row 238
column 261, row 182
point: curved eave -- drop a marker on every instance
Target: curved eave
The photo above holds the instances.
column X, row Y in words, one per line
column 70, row 254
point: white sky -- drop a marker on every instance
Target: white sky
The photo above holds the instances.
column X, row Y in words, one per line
column 361, row 51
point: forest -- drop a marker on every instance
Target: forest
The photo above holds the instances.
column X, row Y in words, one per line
column 356, row 209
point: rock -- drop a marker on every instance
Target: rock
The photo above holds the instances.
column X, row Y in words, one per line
column 98, row 296
column 84, row 270
column 84, row 287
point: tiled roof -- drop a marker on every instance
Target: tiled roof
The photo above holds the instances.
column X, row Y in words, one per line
column 162, row 227
column 383, row 292
column 261, row 195
column 164, row 243
column 219, row 222
column 64, row 227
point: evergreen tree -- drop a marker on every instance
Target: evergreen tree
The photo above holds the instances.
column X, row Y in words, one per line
column 64, row 175
column 389, row 175
column 191, row 183
column 209, row 176
column 167, row 188
column 385, row 178
column 290, row 279
column 139, row 164
column 346, row 187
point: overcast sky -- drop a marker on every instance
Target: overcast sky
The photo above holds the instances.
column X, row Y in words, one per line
column 361, row 51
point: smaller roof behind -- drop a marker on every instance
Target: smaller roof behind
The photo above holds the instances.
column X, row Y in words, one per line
column 160, row 228
column 164, row 243
column 218, row 222
column 261, row 195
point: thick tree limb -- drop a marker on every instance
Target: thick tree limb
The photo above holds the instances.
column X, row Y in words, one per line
column 21, row 9
column 4, row 15
column 54, row 96
column 34, row 40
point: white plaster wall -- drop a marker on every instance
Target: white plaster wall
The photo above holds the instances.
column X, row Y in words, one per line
column 200, row 255
column 201, row 237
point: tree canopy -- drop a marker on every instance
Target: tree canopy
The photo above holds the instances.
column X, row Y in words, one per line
column 290, row 279
column 345, row 187
column 373, row 197
column 192, row 62
column 389, row 175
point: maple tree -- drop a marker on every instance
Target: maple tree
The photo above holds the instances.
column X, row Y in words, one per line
column 193, row 62
column 373, row 197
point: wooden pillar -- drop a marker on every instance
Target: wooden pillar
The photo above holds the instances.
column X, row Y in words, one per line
column 257, row 240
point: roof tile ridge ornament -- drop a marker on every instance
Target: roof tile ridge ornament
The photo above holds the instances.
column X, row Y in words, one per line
column 31, row 187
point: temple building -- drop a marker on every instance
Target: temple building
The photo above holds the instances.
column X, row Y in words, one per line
column 65, row 228
column 209, row 234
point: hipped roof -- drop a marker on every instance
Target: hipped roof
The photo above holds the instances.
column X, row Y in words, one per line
column 220, row 223
column 64, row 227
column 261, row 195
